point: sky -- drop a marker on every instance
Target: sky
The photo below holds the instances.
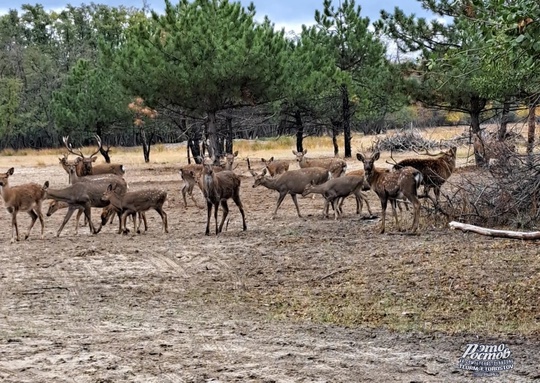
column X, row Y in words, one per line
column 288, row 14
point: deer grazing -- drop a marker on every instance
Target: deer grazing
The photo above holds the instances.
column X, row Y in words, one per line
column 135, row 202
column 54, row 206
column 22, row 198
column 85, row 164
column 189, row 173
column 275, row 167
column 435, row 171
column 292, row 182
column 217, row 188
column 335, row 191
column 390, row 186
column 336, row 166
column 108, row 212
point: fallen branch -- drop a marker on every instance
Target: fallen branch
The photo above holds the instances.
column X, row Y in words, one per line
column 494, row 233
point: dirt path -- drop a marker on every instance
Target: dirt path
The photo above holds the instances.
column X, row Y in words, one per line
column 188, row 308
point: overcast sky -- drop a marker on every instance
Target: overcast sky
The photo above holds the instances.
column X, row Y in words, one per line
column 290, row 14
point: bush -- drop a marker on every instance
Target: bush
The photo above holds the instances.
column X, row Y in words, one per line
column 405, row 141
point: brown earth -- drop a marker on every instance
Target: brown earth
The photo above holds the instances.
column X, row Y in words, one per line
column 290, row 300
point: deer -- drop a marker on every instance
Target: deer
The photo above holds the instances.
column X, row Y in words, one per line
column 275, row 167
column 54, row 206
column 85, row 164
column 22, row 198
column 188, row 173
column 335, row 191
column 136, row 202
column 108, row 212
column 435, row 171
column 336, row 166
column 74, row 178
column 218, row 187
column 82, row 196
column 291, row 182
column 491, row 151
column 389, row 186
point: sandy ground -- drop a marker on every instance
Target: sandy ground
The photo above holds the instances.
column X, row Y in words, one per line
column 182, row 307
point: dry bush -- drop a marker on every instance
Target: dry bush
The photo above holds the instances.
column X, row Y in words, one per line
column 506, row 194
column 405, row 141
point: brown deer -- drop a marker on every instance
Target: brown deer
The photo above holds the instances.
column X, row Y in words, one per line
column 492, row 152
column 135, row 202
column 82, row 195
column 292, row 182
column 390, row 186
column 275, row 167
column 111, row 178
column 108, row 212
column 54, row 206
column 217, row 188
column 85, row 164
column 22, row 198
column 359, row 194
column 190, row 172
column 336, row 166
column 435, row 171
column 335, row 191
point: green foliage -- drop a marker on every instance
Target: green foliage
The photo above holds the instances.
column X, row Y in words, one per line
column 10, row 100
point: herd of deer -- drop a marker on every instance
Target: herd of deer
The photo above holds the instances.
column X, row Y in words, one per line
column 103, row 186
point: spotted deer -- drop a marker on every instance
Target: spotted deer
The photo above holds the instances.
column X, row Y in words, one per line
column 292, row 182
column 389, row 186
column 336, row 166
column 22, row 198
column 134, row 202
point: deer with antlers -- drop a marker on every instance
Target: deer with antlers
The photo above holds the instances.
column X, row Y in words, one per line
column 335, row 166
column 85, row 165
column 218, row 187
column 22, row 198
column 389, row 186
column 435, row 170
column 292, row 182
column 189, row 173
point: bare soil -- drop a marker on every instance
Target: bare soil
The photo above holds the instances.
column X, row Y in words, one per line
column 290, row 300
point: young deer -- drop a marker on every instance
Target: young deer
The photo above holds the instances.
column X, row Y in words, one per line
column 22, row 198
column 217, row 188
column 108, row 212
column 336, row 166
column 292, row 182
column 435, row 171
column 390, row 186
column 275, row 167
column 190, row 173
column 134, row 202
column 336, row 190
column 54, row 206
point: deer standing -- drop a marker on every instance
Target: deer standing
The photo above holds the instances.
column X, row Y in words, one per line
column 217, row 188
column 390, row 186
column 134, row 202
column 292, row 182
column 336, row 166
column 22, row 198
column 275, row 167
column 435, row 171
column 189, row 173
column 85, row 164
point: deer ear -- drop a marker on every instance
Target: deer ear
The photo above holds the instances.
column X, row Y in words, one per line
column 271, row 159
column 46, row 185
column 376, row 156
column 359, row 157
column 235, row 154
column 264, row 172
column 294, row 152
column 304, row 151
column 263, row 160
column 109, row 188
column 94, row 159
column 11, row 171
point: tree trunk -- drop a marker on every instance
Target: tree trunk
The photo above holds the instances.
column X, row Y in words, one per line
column 335, row 132
column 346, row 119
column 531, row 121
column 213, row 142
column 299, row 131
column 501, row 134
column 229, row 135
column 477, row 105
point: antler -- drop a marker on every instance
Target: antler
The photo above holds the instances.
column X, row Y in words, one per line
column 69, row 148
column 427, row 153
column 99, row 145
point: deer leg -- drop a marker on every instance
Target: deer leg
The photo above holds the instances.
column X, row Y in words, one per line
column 142, row 215
column 79, row 213
column 123, row 219
column 163, row 215
column 14, row 227
column 363, row 197
column 68, row 215
column 40, row 216
column 384, row 203
column 236, row 199
column 393, row 205
column 34, row 217
column 225, row 208
column 280, row 200
column 88, row 215
column 216, row 211
column 416, row 206
column 293, row 196
column 209, row 206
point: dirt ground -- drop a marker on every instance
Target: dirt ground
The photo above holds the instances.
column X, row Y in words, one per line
column 183, row 307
